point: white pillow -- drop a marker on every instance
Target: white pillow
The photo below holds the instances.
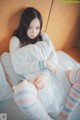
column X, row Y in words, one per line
column 6, row 67
column 5, row 90
column 66, row 61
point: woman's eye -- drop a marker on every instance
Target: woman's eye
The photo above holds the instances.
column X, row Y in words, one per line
column 37, row 28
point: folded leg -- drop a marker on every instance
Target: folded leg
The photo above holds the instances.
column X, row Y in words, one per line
column 73, row 98
column 25, row 95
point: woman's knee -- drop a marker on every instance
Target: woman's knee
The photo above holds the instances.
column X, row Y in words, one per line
column 24, row 91
column 74, row 75
column 25, row 86
column 24, row 94
column 78, row 75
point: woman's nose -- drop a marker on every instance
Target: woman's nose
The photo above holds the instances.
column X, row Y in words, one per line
column 34, row 31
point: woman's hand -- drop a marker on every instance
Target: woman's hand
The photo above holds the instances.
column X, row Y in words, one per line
column 52, row 67
column 41, row 81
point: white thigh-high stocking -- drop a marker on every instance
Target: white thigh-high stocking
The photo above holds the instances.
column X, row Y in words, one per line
column 25, row 95
column 73, row 98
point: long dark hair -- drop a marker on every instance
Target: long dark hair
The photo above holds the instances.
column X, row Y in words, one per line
column 27, row 16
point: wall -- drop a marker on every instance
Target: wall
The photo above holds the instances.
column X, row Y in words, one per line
column 64, row 25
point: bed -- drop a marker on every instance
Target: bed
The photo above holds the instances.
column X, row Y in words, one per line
column 7, row 103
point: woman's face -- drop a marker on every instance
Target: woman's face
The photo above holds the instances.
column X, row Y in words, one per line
column 34, row 28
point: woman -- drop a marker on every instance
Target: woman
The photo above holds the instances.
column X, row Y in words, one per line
column 35, row 61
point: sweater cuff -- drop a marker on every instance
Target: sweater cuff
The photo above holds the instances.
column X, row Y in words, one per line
column 46, row 71
column 42, row 65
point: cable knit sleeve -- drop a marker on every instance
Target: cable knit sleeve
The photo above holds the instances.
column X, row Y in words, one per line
column 46, row 45
column 20, row 62
column 50, row 49
column 53, row 58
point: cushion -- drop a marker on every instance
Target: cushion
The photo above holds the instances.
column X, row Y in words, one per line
column 66, row 61
column 7, row 71
column 7, row 66
column 5, row 90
